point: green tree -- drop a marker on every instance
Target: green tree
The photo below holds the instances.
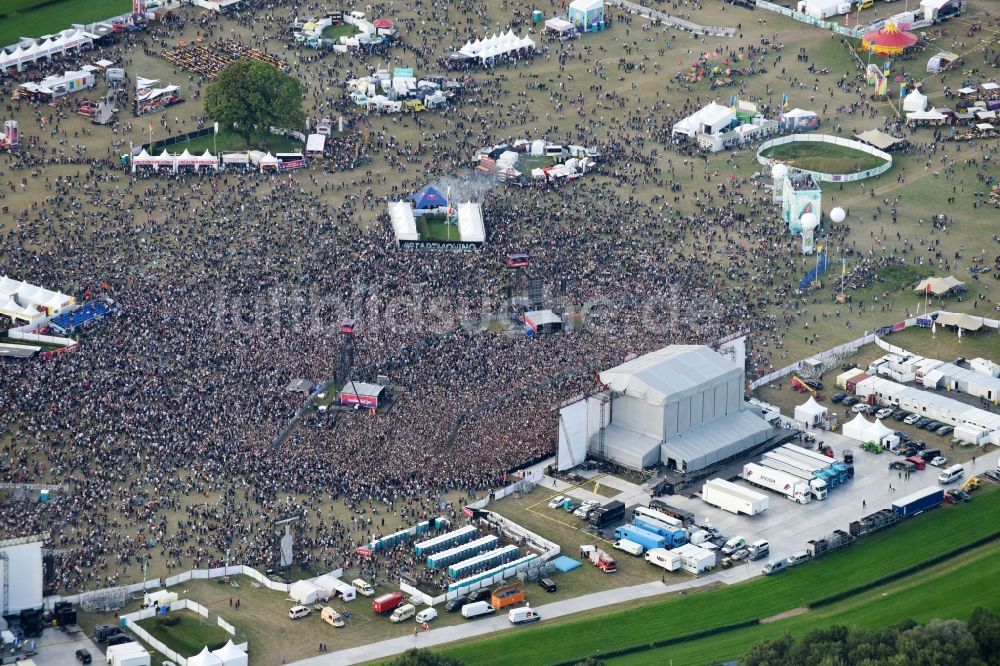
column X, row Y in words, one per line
column 415, row 657
column 985, row 628
column 250, row 96
column 937, row 643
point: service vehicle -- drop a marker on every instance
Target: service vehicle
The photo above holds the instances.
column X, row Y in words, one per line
column 331, row 617
column 733, row 544
column 556, row 502
column 426, row 615
column 298, row 612
column 950, row 475
column 759, row 549
column 507, row 596
column 387, row 603
column 404, row 612
column 547, row 584
column 523, row 615
column 363, row 588
column 478, row 609
column 939, row 461
column 583, row 511
column 775, row 566
column 630, row 547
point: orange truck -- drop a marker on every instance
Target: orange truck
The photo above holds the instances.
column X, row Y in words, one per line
column 507, row 596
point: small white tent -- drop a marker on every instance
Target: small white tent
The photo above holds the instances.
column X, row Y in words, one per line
column 305, row 592
column 230, row 655
column 915, row 102
column 810, row 412
column 878, row 432
column 856, row 428
column 204, row 658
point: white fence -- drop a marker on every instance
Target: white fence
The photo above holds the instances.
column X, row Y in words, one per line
column 836, row 140
column 672, row 21
column 811, row 20
column 131, row 622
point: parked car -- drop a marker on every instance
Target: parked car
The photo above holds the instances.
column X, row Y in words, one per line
column 556, row 502
column 849, row 401
column 838, row 397
column 482, row 594
column 939, row 461
column 883, row 413
column 933, row 425
column 455, row 605
column 83, row 656
column 571, row 506
column 921, row 422
column 911, row 419
column 903, row 437
column 945, row 430
column 899, row 416
column 992, row 475
column 814, row 384
column 547, row 584
column 860, row 408
column 903, row 466
column 949, row 499
column 960, row 495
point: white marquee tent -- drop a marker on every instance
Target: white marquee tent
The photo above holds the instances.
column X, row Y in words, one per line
column 496, row 46
column 204, row 658
column 810, row 412
column 856, row 428
column 711, row 119
column 28, row 302
column 915, row 102
column 470, row 223
column 306, row 592
column 230, row 655
column 30, row 51
column 404, row 225
column 332, row 585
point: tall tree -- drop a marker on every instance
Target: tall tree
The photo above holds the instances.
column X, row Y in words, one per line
column 250, row 96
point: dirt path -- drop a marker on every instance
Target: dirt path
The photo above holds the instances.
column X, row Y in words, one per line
column 801, row 610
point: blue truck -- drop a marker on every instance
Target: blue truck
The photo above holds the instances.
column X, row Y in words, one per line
column 922, row 500
column 645, row 538
column 817, row 461
column 676, row 536
column 836, row 465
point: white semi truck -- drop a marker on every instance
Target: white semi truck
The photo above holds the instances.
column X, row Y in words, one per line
column 733, row 498
column 777, row 481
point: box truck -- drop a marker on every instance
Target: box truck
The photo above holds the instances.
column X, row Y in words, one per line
column 922, row 500
column 387, row 603
column 733, row 498
column 630, row 547
column 777, row 481
column 831, row 464
column 608, row 514
column 676, row 536
column 663, row 558
column 780, row 461
column 644, row 538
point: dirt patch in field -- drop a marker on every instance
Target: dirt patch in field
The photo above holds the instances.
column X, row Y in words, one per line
column 801, row 610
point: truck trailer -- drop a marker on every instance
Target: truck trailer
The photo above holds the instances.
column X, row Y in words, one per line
column 786, row 464
column 676, row 536
column 922, row 500
column 819, row 488
column 777, row 481
column 607, row 515
column 644, row 538
column 834, row 541
column 733, row 498
column 842, row 471
column 873, row 522
column 663, row 558
column 824, row 470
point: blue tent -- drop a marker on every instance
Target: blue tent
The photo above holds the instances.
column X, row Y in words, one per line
column 429, row 197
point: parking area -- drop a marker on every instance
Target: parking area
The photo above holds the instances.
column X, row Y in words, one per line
column 56, row 648
column 788, row 525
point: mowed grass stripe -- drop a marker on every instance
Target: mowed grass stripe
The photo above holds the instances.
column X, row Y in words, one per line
column 947, row 591
column 908, row 544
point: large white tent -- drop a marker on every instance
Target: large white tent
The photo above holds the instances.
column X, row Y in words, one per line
column 204, row 658
column 230, row 655
column 332, row 586
column 30, row 51
column 470, row 223
column 306, row 592
column 404, row 225
column 810, row 412
column 878, row 432
column 710, row 119
column 915, row 101
column 496, row 46
column 28, row 302
column 856, row 428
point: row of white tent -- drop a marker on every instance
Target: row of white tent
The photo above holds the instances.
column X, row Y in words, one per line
column 27, row 302
column 227, row 655
column 165, row 159
column 497, row 45
column 863, row 430
column 321, row 588
column 31, row 51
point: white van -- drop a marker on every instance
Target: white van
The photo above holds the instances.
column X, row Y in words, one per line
column 733, row 545
column 953, row 473
column 523, row 615
column 797, row 558
column 759, row 549
column 663, row 558
column 775, row 566
column 363, row 588
column 476, row 609
column 426, row 615
column 630, row 547
column 297, row 612
column 404, row 612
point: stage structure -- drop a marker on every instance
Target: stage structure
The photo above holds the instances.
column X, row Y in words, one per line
column 800, row 195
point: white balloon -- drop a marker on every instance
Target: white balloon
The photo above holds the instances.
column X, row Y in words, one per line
column 779, row 171
column 809, row 221
column 838, row 214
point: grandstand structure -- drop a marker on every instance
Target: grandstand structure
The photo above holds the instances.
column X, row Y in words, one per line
column 85, row 316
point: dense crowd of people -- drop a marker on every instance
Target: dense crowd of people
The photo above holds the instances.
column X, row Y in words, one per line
column 164, row 426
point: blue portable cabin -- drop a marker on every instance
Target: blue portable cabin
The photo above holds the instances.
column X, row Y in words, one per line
column 446, row 541
column 462, row 552
column 488, row 559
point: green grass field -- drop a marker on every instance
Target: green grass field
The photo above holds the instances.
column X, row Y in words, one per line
column 823, row 157
column 338, row 31
column 34, row 18
column 906, row 545
column 189, row 636
column 917, row 597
